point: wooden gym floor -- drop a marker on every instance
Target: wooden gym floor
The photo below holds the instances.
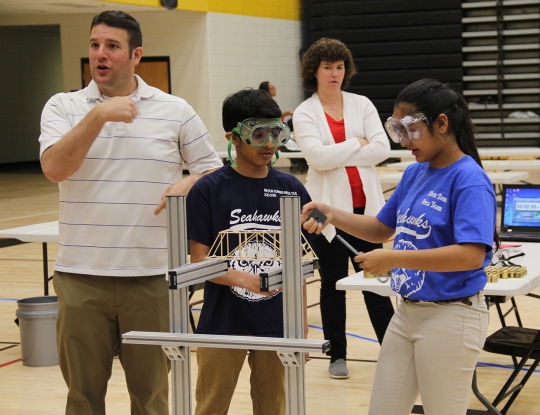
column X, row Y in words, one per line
column 27, row 197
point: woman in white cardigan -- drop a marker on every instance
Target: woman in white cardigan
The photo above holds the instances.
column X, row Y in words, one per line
column 342, row 139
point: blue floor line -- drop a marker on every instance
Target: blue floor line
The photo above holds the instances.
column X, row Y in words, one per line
column 9, row 299
column 499, row 366
column 356, row 336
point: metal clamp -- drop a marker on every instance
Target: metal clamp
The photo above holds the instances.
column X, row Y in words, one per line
column 173, row 281
column 273, row 279
column 290, row 359
column 174, row 352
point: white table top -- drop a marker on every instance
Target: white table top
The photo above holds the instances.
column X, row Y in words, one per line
column 483, row 151
column 404, row 154
column 496, row 177
column 40, row 232
column 511, row 286
column 488, row 165
column 509, row 151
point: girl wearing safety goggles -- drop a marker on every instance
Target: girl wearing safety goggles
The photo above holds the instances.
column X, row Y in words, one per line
column 442, row 219
column 406, row 129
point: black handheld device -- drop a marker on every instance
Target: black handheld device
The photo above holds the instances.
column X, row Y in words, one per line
column 317, row 216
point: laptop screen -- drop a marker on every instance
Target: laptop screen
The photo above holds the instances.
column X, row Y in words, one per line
column 520, row 207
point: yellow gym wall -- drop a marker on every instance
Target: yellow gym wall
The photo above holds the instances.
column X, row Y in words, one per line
column 212, row 54
column 277, row 9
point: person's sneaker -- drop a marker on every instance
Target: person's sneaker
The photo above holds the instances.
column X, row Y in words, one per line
column 338, row 370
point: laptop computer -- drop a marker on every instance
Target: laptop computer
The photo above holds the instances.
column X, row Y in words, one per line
column 520, row 213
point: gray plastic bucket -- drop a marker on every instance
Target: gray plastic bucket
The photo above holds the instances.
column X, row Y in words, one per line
column 37, row 321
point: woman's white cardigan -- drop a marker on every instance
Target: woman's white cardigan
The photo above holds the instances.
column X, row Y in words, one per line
column 327, row 179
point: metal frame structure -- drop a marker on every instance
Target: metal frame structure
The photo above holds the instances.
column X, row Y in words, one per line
column 177, row 343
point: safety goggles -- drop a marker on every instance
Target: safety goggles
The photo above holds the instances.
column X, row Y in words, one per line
column 257, row 132
column 406, row 129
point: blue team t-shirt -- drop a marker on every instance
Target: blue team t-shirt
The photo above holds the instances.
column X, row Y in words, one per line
column 439, row 207
column 225, row 200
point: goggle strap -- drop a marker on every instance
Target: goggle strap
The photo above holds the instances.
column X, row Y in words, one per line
column 229, row 152
column 277, row 158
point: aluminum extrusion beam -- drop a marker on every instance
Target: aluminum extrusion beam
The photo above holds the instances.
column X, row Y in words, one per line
column 293, row 299
column 226, row 342
column 179, row 303
column 273, row 279
column 198, row 272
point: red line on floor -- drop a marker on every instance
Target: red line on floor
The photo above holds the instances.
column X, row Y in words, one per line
column 10, row 363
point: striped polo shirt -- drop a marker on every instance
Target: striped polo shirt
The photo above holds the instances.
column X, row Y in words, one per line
column 107, row 221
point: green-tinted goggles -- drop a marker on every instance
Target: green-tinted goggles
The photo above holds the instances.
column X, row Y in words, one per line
column 257, row 131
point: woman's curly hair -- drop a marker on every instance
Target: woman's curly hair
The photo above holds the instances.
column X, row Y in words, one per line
column 330, row 50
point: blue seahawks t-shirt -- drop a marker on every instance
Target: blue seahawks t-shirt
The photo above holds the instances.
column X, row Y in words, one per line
column 433, row 208
column 225, row 200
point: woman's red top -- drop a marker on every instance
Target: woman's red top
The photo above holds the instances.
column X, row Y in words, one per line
column 337, row 129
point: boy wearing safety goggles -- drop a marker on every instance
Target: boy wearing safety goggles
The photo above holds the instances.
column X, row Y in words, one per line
column 242, row 196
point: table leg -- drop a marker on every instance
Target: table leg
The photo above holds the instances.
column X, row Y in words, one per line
column 45, row 269
column 497, row 300
column 516, row 312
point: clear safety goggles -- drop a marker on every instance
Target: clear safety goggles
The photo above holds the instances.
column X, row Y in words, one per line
column 406, row 129
column 258, row 131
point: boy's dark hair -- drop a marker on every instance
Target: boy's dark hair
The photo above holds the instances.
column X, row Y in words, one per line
column 248, row 103
column 265, row 86
column 330, row 50
column 121, row 20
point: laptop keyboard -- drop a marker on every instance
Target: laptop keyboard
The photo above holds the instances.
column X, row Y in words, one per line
column 520, row 236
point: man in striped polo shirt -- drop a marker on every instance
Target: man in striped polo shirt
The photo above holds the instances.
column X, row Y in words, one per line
column 116, row 148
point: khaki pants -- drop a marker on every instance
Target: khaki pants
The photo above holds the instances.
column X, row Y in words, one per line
column 93, row 312
column 218, row 374
column 432, row 350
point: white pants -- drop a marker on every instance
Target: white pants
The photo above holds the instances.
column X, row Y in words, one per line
column 429, row 349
